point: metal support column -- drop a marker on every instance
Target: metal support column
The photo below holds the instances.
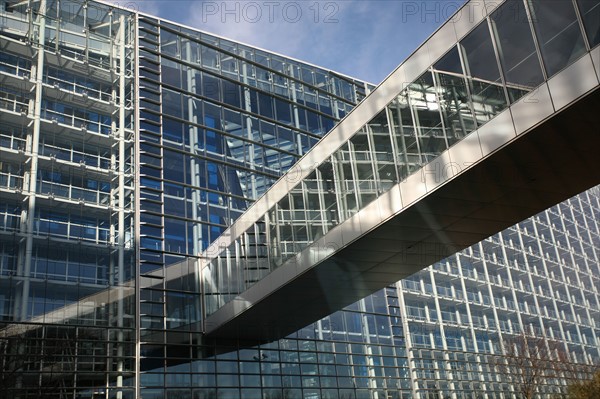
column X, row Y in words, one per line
column 30, row 180
column 249, row 135
column 121, row 137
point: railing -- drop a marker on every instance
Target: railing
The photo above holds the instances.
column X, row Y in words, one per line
column 445, row 291
column 74, row 193
column 79, row 88
column 77, row 122
column 411, row 286
column 71, row 155
column 14, row 69
column 416, row 313
column 74, row 272
column 9, row 221
column 10, row 102
column 8, row 265
column 11, row 181
column 72, row 231
column 449, row 317
column 12, row 142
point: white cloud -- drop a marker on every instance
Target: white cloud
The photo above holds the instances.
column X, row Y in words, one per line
column 151, row 7
column 364, row 39
column 311, row 31
column 274, row 25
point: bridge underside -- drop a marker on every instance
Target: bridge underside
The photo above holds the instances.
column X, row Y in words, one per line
column 553, row 161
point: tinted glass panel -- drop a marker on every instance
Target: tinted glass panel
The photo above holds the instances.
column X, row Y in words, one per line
column 558, row 33
column 454, row 98
column 480, row 60
column 422, row 97
column 450, row 62
column 483, row 75
column 409, row 158
column 382, row 147
column 590, row 12
column 516, row 48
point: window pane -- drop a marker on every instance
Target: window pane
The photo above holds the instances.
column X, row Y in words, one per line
column 590, row 12
column 343, row 170
column 426, row 109
column 516, row 48
column 409, row 157
column 481, row 66
column 454, row 98
column 480, row 57
column 558, row 33
column 169, row 43
column 383, row 156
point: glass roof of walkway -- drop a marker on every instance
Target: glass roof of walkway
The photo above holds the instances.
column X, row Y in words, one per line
column 443, row 111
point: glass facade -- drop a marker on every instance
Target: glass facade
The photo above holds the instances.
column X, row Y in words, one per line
column 476, row 80
column 128, row 144
column 219, row 123
column 67, row 199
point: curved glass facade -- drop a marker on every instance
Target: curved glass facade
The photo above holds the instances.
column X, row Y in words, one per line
column 129, row 144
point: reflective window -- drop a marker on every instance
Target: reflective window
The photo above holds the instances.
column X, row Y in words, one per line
column 454, row 98
column 558, row 33
column 408, row 158
column 383, row 156
column 210, row 58
column 169, row 43
column 343, row 171
column 426, row 111
column 516, row 49
column 590, row 13
column 483, row 75
column 364, row 175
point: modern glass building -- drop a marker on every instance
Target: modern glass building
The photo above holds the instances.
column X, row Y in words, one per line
column 129, row 144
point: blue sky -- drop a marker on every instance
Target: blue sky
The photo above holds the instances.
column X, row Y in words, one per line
column 365, row 39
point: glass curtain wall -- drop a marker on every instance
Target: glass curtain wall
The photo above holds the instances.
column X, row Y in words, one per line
column 66, row 200
column 218, row 122
column 474, row 81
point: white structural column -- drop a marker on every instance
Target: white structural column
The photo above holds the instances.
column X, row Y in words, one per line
column 192, row 87
column 374, row 393
column 553, row 285
column 195, row 169
column 296, row 111
column 30, row 178
column 408, row 341
column 438, row 310
column 249, row 134
column 122, row 200
column 136, row 173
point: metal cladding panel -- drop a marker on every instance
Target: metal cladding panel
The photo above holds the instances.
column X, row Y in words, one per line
column 496, row 133
column 525, row 116
column 595, row 54
column 573, row 82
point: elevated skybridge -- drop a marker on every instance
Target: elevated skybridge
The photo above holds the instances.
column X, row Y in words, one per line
column 480, row 128
column 477, row 130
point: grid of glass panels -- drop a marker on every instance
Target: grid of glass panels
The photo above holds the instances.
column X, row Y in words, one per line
column 348, row 355
column 443, row 331
column 491, row 67
column 419, row 338
column 538, row 278
column 219, row 123
column 66, row 200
